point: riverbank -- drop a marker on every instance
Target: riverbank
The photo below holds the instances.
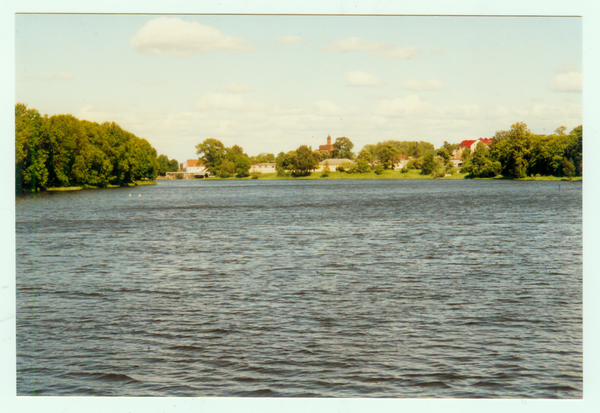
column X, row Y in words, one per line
column 389, row 174
column 79, row 188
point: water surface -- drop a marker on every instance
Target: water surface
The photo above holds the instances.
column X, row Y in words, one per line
column 367, row 288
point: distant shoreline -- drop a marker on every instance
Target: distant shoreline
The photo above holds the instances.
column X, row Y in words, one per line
column 80, row 188
column 387, row 174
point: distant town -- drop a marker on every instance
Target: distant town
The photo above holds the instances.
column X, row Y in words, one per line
column 516, row 153
column 60, row 152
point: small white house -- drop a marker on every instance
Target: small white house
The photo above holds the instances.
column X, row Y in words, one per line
column 193, row 166
column 266, row 168
column 333, row 163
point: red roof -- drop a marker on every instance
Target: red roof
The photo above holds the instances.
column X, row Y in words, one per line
column 194, row 162
column 401, row 156
column 467, row 143
column 487, row 141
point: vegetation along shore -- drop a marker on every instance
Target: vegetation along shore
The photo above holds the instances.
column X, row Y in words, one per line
column 61, row 152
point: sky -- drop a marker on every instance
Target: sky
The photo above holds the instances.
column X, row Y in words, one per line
column 272, row 83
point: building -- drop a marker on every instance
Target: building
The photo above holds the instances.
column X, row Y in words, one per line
column 456, row 156
column 401, row 162
column 472, row 144
column 333, row 163
column 328, row 147
column 265, row 168
column 193, row 166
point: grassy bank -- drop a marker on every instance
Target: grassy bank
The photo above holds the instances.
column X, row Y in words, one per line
column 549, row 178
column 388, row 174
column 79, row 188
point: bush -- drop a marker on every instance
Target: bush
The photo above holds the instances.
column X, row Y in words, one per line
column 255, row 175
column 568, row 169
column 362, row 166
column 379, row 169
column 340, row 168
column 350, row 167
column 179, row 176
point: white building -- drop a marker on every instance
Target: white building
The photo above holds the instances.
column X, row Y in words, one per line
column 193, row 166
column 266, row 168
column 333, row 163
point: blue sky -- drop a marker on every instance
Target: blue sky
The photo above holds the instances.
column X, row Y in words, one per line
column 272, row 83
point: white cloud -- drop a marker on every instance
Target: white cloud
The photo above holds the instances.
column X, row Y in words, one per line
column 567, row 112
column 414, row 107
column 327, row 108
column 354, row 43
column 292, row 39
column 378, row 49
column 411, row 84
column 438, row 52
column 234, row 87
column 226, row 101
column 359, row 78
column 566, row 82
column 397, row 53
column 498, row 112
column 175, row 37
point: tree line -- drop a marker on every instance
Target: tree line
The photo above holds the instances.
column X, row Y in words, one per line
column 63, row 151
column 518, row 153
column 515, row 153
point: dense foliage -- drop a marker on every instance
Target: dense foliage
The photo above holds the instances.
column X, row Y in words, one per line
column 518, row 153
column 167, row 165
column 300, row 162
column 342, row 148
column 387, row 153
column 62, row 151
column 222, row 161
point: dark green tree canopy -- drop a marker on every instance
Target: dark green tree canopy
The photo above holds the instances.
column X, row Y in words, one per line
column 62, row 150
column 211, row 153
column 342, row 148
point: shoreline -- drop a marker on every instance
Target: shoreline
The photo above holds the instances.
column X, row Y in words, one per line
column 80, row 188
column 388, row 174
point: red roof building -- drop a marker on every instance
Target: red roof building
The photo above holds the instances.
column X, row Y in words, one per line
column 328, row 147
column 472, row 143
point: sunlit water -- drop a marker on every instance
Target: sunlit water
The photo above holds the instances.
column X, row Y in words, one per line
column 373, row 288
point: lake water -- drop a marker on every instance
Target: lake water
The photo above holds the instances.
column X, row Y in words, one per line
column 353, row 288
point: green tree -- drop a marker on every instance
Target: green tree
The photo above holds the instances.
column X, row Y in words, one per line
column 429, row 165
column 211, row 153
column 304, row 161
column 443, row 152
column 326, row 169
column 387, row 154
column 368, row 154
column 450, row 147
column 31, row 150
column 568, row 169
column 362, row 166
column 433, row 165
column 514, row 151
column 226, row 169
column 480, row 165
column 242, row 162
column 342, row 148
column 262, row 157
